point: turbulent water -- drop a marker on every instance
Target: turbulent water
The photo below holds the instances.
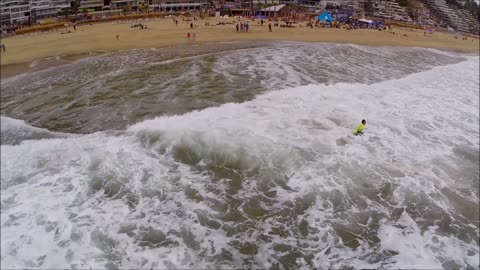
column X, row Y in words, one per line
column 241, row 155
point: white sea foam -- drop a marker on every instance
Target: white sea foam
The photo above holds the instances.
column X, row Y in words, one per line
column 146, row 197
column 15, row 131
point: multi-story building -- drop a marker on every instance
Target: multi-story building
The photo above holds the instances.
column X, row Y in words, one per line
column 15, row 11
column 470, row 20
column 421, row 14
column 120, row 4
column 452, row 16
column 390, row 9
column 265, row 2
column 91, row 5
column 192, row 5
column 42, row 9
column 23, row 11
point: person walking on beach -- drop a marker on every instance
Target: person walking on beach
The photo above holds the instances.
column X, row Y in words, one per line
column 118, row 37
column 194, row 36
column 3, row 47
column 359, row 129
column 188, row 35
column 270, row 27
column 237, row 27
column 246, row 27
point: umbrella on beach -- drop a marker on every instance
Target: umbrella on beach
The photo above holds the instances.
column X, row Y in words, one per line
column 325, row 16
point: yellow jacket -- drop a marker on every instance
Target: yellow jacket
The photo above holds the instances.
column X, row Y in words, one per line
column 359, row 129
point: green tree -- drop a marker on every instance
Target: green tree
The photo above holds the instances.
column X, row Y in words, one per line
column 143, row 7
column 127, row 8
column 402, row 3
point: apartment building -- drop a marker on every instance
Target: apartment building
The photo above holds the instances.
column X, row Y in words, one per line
column 390, row 10
column 195, row 5
column 42, row 9
column 23, row 11
column 266, row 2
column 452, row 17
column 471, row 22
column 421, row 14
column 14, row 11
column 120, row 4
column 91, row 5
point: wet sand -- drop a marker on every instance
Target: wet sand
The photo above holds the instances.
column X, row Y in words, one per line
column 163, row 33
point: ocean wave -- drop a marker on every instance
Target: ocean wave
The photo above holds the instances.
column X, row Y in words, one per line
column 14, row 131
column 132, row 86
column 275, row 182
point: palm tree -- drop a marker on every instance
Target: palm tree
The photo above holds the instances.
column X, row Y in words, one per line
column 143, row 7
column 127, row 8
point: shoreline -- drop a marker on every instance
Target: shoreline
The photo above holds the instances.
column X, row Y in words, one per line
column 15, row 69
column 100, row 38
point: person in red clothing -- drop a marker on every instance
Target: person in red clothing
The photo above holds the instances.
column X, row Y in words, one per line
column 188, row 36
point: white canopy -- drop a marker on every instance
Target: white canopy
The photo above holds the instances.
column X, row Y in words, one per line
column 273, row 8
column 365, row 20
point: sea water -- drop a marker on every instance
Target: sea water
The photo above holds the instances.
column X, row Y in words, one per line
column 243, row 157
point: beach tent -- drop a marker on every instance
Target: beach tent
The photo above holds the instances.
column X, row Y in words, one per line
column 273, row 8
column 325, row 16
column 365, row 20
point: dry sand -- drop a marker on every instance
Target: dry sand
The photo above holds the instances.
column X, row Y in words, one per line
column 163, row 32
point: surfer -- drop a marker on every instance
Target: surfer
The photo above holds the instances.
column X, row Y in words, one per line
column 359, row 129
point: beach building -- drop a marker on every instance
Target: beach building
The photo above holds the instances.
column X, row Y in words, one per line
column 265, row 2
column 452, row 17
column 180, row 5
column 91, row 5
column 24, row 11
column 15, row 11
column 273, row 11
column 390, row 10
column 340, row 4
column 357, row 7
column 420, row 14
column 470, row 20
column 61, row 4
column 42, row 9
column 119, row 5
column 311, row 5
column 175, row 7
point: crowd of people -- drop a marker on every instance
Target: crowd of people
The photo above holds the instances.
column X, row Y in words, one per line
column 242, row 27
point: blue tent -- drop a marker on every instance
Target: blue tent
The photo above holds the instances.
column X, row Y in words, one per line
column 260, row 17
column 325, row 16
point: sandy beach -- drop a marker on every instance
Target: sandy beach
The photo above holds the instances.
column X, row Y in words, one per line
column 101, row 37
